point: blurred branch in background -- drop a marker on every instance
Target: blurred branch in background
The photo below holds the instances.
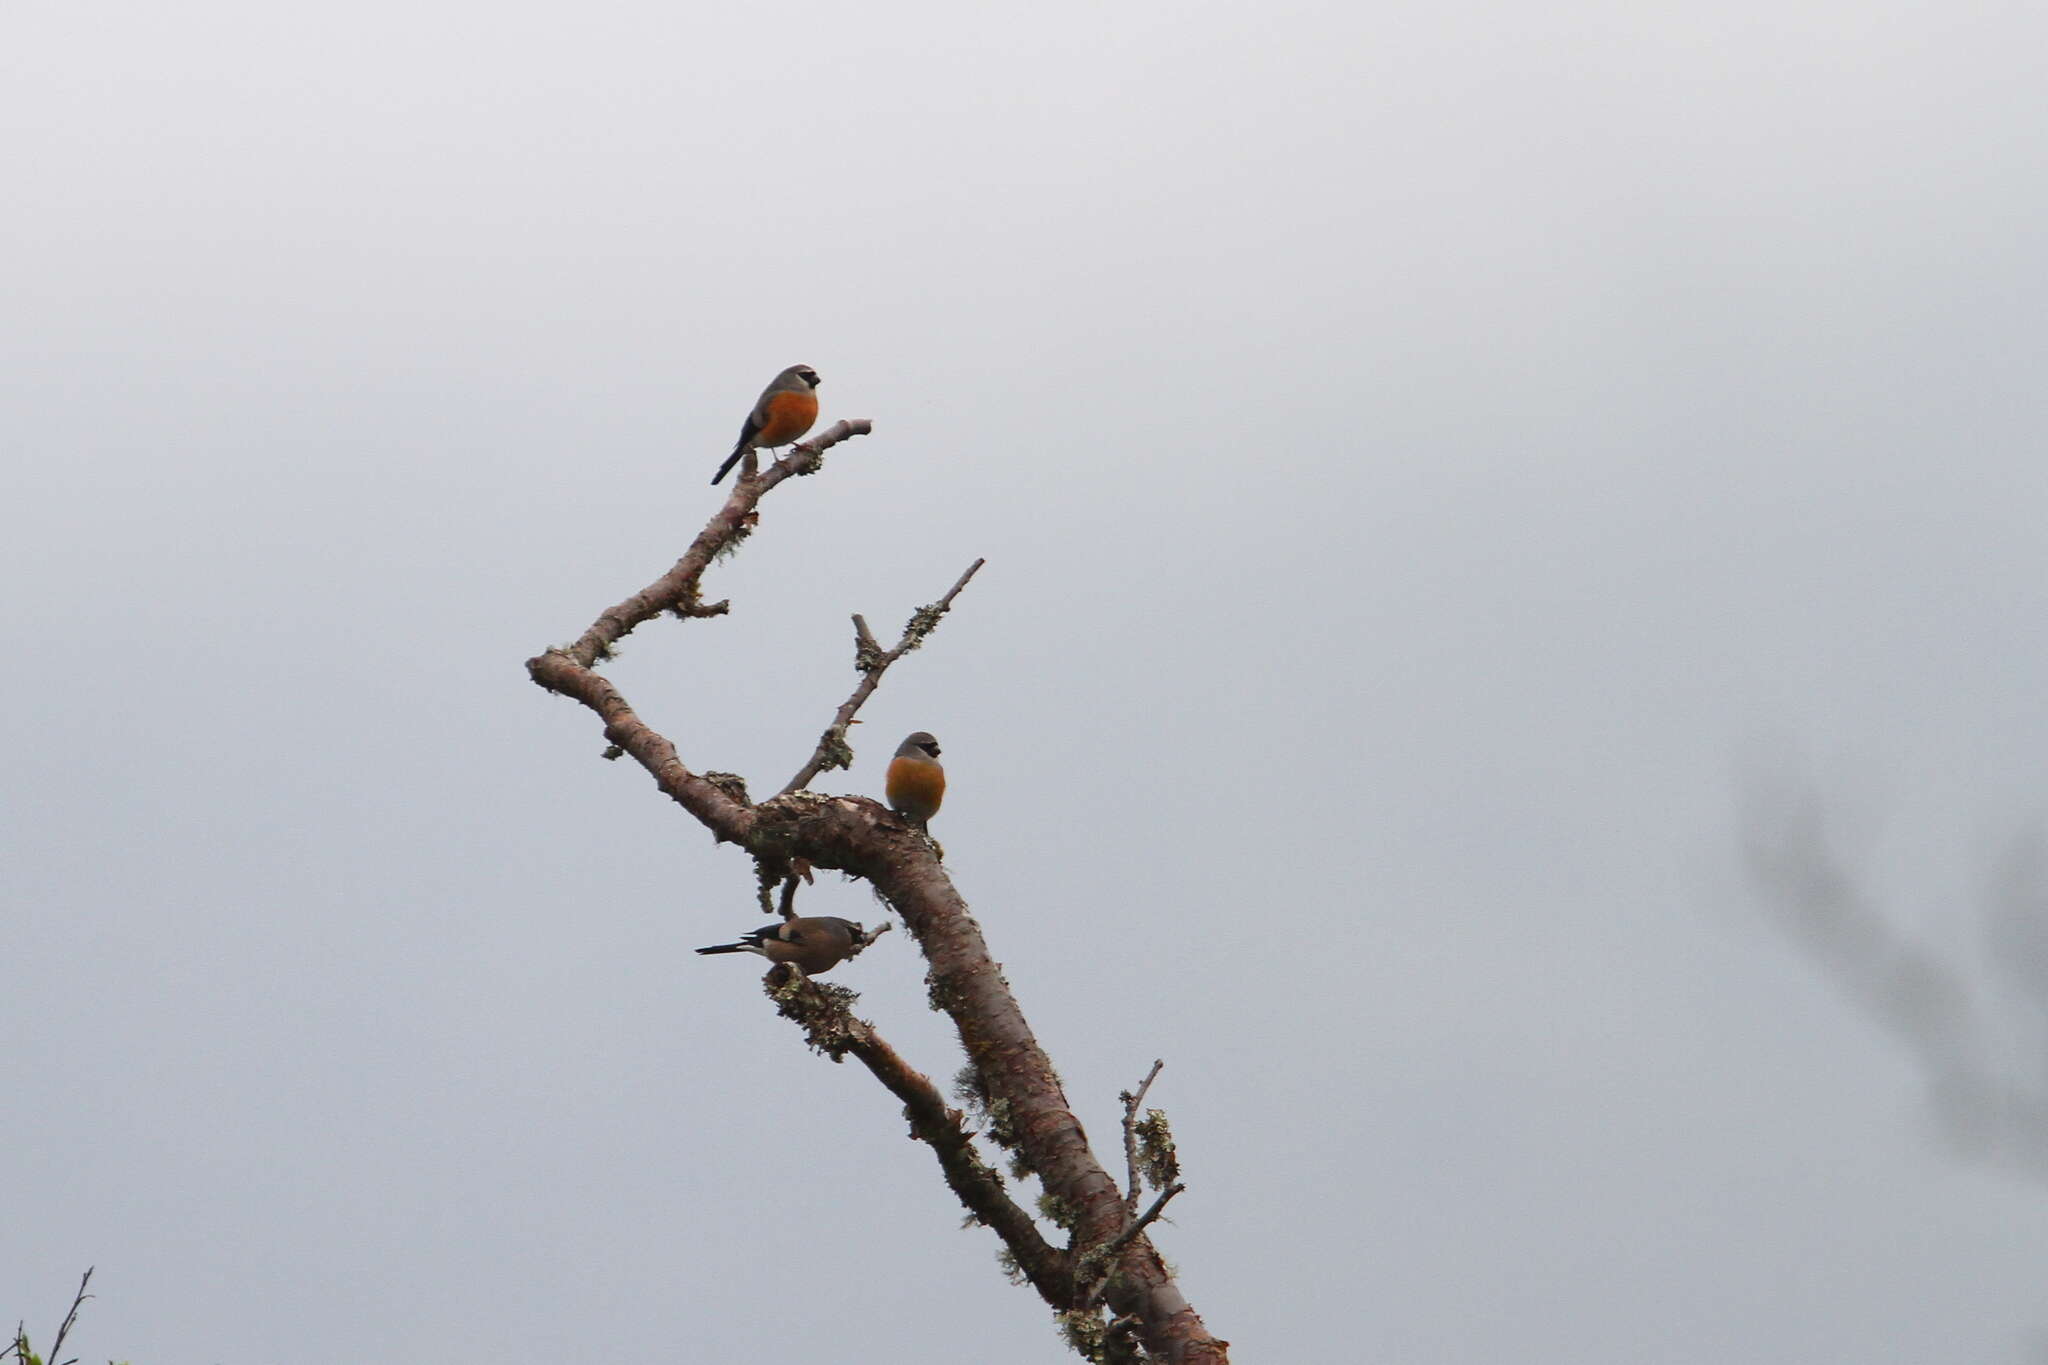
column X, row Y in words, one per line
column 1959, row 1021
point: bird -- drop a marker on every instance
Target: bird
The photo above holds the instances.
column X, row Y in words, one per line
column 917, row 784
column 783, row 412
column 815, row 943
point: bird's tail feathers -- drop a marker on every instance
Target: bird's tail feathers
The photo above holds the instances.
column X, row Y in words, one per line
column 730, row 461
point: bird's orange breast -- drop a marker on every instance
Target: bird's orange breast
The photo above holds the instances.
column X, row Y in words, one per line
column 916, row 787
column 784, row 417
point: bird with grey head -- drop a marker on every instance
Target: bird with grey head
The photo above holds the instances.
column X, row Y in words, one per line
column 783, row 412
column 916, row 783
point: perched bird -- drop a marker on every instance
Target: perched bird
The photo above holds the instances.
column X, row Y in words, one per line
column 784, row 411
column 917, row 784
column 816, row 944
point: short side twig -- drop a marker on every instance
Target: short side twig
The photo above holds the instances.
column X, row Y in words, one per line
column 1132, row 1099
column 1102, row 1258
column 872, row 662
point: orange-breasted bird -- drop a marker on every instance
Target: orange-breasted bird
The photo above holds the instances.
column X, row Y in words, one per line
column 784, row 411
column 917, row 784
column 816, row 943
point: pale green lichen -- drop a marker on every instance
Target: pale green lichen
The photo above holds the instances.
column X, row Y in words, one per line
column 1057, row 1211
column 1158, row 1160
column 1084, row 1331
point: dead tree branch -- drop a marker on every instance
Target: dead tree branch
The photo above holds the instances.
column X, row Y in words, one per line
column 799, row 829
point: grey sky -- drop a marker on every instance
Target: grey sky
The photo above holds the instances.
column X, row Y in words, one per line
column 1419, row 450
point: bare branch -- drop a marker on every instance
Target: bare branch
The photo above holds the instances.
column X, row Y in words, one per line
column 969, row 986
column 872, row 662
column 825, row 1014
column 678, row 590
column 715, row 807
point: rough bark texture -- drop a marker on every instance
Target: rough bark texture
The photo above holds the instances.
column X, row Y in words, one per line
column 1107, row 1257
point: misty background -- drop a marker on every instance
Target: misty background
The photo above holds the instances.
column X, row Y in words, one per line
column 1433, row 461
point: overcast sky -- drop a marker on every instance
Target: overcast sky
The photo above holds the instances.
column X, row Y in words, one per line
column 1423, row 453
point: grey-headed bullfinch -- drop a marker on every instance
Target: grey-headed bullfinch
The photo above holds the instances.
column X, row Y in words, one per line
column 917, row 784
column 783, row 412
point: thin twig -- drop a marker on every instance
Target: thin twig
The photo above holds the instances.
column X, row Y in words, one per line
column 872, row 662
column 71, row 1318
column 1131, row 1102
